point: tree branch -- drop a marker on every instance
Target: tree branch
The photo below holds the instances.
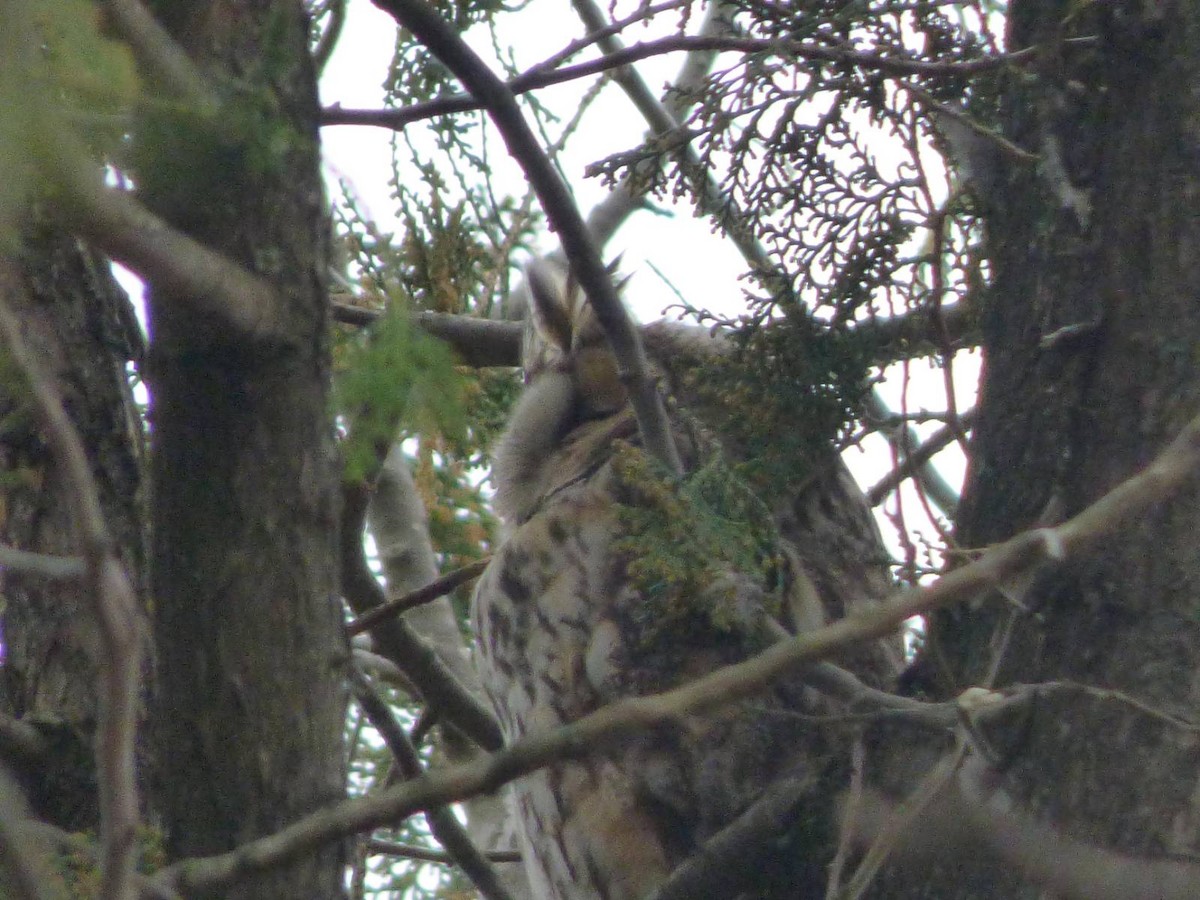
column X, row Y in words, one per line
column 587, row 265
column 115, row 610
column 478, row 342
column 395, row 640
column 408, row 851
column 43, row 565
column 915, row 456
column 442, row 823
column 729, row 861
column 488, row 342
column 436, row 588
column 1174, row 467
column 233, row 303
column 539, row 77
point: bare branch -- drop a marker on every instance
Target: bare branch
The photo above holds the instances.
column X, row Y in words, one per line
column 233, row 303
column 55, row 568
column 437, row 588
column 442, row 823
column 539, row 77
column 887, row 830
column 1174, row 467
column 478, row 342
column 587, row 266
column 115, row 610
column 913, row 334
column 488, row 342
column 729, row 861
column 408, row 851
column 915, row 456
column 395, row 640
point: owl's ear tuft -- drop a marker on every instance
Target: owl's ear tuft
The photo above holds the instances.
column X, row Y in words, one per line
column 549, row 306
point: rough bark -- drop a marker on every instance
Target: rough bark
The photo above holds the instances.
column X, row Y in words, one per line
column 1089, row 337
column 252, row 655
column 79, row 322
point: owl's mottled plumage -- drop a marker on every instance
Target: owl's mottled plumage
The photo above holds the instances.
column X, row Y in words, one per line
column 564, row 627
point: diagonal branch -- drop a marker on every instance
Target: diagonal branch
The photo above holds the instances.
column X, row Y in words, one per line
column 442, row 822
column 439, row 587
column 916, row 456
column 398, row 642
column 586, row 264
column 232, row 302
column 1176, row 466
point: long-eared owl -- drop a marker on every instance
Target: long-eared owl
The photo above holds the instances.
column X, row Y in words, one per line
column 616, row 579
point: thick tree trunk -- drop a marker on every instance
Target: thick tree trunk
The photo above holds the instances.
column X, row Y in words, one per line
column 249, row 627
column 1091, row 367
column 78, row 322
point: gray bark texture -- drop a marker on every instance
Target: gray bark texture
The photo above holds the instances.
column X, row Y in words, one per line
column 1090, row 331
column 79, row 323
column 248, row 621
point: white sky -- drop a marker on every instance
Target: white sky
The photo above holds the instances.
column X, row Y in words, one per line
column 699, row 264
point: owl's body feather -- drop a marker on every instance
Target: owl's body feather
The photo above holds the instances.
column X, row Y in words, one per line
column 565, row 626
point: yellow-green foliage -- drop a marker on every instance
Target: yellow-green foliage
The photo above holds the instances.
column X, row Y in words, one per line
column 685, row 537
column 391, row 376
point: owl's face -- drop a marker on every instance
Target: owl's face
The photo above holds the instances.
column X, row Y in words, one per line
column 563, row 334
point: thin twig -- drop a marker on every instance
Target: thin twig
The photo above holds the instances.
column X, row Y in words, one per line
column 439, row 588
column 442, row 823
column 116, row 612
column 408, row 851
column 915, row 458
column 850, row 806
column 539, row 77
column 900, row 822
